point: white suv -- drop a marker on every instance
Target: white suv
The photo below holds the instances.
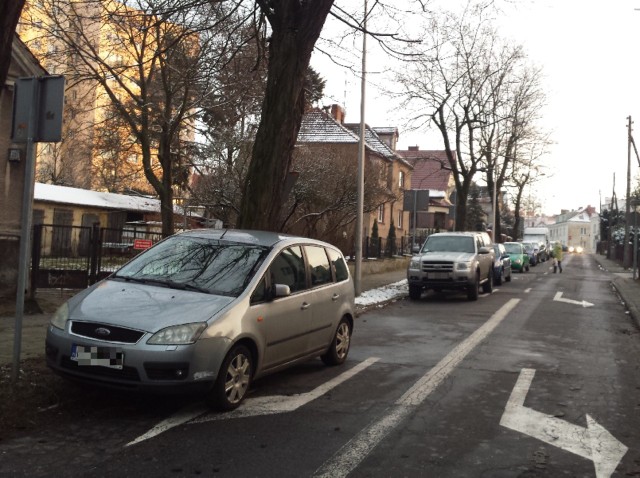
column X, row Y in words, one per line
column 453, row 260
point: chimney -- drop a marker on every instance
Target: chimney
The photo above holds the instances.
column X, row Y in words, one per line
column 414, row 148
column 337, row 112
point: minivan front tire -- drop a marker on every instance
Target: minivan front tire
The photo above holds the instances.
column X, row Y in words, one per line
column 233, row 381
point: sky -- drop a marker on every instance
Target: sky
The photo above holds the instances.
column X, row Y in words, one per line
column 589, row 53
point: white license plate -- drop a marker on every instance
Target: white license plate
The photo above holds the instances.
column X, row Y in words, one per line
column 110, row 357
column 438, row 275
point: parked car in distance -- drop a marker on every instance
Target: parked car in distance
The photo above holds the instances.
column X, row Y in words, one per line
column 207, row 309
column 453, row 261
column 519, row 257
column 501, row 265
column 532, row 251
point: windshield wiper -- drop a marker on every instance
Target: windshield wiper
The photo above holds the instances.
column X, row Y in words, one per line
column 165, row 282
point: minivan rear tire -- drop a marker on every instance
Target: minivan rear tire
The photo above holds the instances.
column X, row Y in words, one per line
column 340, row 345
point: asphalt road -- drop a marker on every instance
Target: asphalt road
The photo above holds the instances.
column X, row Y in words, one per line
column 537, row 379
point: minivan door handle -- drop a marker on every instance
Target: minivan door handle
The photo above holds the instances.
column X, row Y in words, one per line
column 305, row 305
column 335, row 297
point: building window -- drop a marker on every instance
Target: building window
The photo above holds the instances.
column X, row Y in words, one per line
column 381, row 213
column 401, row 179
column 400, row 219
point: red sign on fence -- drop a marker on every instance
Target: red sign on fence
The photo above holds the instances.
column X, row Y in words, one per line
column 142, row 243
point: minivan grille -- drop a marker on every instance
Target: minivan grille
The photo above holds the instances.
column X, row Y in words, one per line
column 437, row 266
column 108, row 333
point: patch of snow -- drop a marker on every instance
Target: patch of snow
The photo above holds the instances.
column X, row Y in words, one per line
column 383, row 294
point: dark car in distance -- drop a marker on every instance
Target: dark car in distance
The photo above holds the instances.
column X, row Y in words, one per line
column 501, row 265
column 532, row 252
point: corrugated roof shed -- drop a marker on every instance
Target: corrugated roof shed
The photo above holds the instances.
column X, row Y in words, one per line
column 85, row 197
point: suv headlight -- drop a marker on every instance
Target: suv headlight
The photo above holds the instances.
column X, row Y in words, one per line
column 463, row 266
column 415, row 263
column 60, row 317
column 178, row 334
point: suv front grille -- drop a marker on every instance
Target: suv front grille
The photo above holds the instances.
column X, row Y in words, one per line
column 437, row 266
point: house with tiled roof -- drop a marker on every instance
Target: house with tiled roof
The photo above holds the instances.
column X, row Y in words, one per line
column 577, row 228
column 324, row 130
column 431, row 171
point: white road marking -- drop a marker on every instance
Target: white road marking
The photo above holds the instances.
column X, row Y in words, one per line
column 593, row 442
column 356, row 450
column 286, row 403
column 252, row 406
column 526, row 291
column 558, row 298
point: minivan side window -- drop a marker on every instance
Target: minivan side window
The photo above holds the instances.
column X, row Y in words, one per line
column 319, row 265
column 288, row 268
column 342, row 273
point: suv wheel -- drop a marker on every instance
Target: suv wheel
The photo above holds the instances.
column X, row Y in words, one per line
column 415, row 291
column 472, row 291
column 487, row 287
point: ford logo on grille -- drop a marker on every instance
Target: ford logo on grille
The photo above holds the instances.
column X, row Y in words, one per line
column 103, row 331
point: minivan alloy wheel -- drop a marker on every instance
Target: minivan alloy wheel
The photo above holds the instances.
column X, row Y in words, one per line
column 234, row 379
column 339, row 348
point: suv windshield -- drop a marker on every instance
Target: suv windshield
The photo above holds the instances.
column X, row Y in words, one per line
column 217, row 267
column 449, row 244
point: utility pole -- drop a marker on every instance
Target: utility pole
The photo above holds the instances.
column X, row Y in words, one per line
column 626, row 258
column 361, row 150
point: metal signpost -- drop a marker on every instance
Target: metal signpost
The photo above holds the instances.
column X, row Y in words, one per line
column 37, row 117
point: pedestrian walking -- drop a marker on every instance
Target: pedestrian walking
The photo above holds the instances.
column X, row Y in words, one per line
column 557, row 257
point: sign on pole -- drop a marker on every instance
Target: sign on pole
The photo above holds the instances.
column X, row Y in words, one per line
column 37, row 117
column 49, row 102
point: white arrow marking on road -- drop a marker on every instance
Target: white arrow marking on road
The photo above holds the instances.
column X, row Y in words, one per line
column 558, row 298
column 253, row 406
column 594, row 442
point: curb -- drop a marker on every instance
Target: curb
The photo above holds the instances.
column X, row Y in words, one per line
column 631, row 306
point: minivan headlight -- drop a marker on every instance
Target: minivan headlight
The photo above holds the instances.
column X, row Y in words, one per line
column 60, row 317
column 178, row 334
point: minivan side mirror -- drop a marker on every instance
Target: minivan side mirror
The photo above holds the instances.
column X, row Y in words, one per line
column 280, row 290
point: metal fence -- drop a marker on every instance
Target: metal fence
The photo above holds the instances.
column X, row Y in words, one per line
column 379, row 247
column 75, row 257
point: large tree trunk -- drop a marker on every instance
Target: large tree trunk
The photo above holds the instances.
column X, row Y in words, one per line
column 296, row 26
column 9, row 15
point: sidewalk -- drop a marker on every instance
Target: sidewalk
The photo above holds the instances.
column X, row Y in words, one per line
column 628, row 289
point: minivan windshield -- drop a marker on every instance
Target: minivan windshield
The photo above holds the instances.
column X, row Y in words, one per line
column 449, row 244
column 194, row 263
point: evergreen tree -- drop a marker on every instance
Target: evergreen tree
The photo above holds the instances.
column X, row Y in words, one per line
column 475, row 213
column 374, row 237
column 391, row 239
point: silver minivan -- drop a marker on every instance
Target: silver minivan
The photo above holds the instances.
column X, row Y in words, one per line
column 208, row 309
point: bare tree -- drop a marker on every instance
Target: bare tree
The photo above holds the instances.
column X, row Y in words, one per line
column 513, row 110
column 526, row 170
column 150, row 62
column 445, row 85
column 295, row 27
column 322, row 203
